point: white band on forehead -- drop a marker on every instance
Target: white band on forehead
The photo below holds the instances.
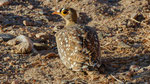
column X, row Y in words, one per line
column 63, row 8
column 58, row 10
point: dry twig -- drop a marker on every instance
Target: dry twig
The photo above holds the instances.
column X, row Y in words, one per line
column 117, row 79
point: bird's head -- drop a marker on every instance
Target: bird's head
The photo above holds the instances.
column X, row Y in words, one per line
column 69, row 14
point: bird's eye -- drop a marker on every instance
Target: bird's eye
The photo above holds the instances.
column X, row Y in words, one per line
column 64, row 12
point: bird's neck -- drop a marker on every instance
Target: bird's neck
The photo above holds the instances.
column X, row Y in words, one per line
column 70, row 23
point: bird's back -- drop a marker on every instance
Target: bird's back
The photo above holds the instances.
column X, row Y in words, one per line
column 78, row 47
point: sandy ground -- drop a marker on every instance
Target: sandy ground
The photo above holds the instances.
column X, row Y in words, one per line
column 123, row 28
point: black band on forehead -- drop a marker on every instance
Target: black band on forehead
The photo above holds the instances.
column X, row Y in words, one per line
column 61, row 10
column 66, row 9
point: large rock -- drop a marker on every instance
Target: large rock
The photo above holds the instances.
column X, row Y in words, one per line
column 25, row 45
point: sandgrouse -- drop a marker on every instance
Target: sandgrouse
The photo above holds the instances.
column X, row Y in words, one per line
column 78, row 45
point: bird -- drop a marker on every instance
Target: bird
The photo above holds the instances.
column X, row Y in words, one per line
column 78, row 45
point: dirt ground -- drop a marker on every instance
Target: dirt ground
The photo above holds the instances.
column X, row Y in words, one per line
column 123, row 27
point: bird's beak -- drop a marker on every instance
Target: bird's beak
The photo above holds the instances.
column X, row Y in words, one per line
column 57, row 13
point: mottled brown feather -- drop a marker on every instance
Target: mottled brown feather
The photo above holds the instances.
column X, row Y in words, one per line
column 79, row 47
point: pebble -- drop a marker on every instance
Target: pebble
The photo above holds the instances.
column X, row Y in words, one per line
column 136, row 45
column 52, row 54
column 15, row 82
column 54, row 8
column 134, row 15
column 57, row 1
column 134, row 68
column 123, row 45
column 138, row 17
column 6, row 58
column 47, row 2
column 1, row 39
column 100, row 36
column 6, row 37
column 41, row 35
column 41, row 12
column 30, row 6
column 4, row 2
column 40, row 46
column 28, row 23
column 11, row 63
column 130, row 73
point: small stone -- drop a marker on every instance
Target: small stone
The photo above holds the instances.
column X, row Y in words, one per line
column 134, row 68
column 49, row 55
column 54, row 8
column 11, row 63
column 138, row 17
column 52, row 55
column 41, row 12
column 100, row 36
column 41, row 35
column 57, row 1
column 136, row 45
column 47, row 2
column 130, row 73
column 28, row 23
column 6, row 37
column 15, row 82
column 30, row 6
column 1, row 39
column 134, row 15
column 40, row 46
column 123, row 45
column 4, row 2
column 6, row 58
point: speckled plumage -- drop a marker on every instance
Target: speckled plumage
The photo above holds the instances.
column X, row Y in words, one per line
column 78, row 47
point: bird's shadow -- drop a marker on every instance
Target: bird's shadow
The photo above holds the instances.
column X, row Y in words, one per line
column 123, row 64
